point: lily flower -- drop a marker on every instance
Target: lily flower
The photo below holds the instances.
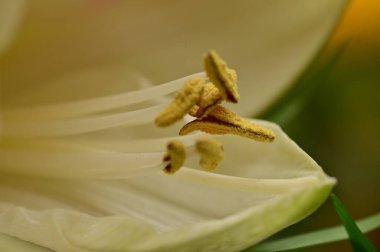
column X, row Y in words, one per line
column 81, row 157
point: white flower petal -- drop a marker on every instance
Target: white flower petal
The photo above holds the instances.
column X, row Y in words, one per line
column 269, row 42
column 12, row 244
column 274, row 186
column 71, row 192
column 11, row 12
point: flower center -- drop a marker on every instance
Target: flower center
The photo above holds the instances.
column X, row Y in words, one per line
column 200, row 98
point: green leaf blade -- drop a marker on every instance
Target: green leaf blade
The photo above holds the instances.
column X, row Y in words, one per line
column 359, row 242
column 324, row 236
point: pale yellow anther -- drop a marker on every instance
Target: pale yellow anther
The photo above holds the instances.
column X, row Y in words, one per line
column 221, row 121
column 211, row 152
column 210, row 98
column 224, row 78
column 194, row 110
column 184, row 100
column 233, row 75
column 175, row 156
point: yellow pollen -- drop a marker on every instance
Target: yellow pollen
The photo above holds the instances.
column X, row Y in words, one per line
column 211, row 152
column 194, row 110
column 224, row 78
column 175, row 156
column 201, row 98
column 210, row 98
column 223, row 121
column 185, row 99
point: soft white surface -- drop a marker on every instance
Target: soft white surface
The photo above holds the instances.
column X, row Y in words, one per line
column 11, row 11
column 157, row 210
column 12, row 244
column 269, row 42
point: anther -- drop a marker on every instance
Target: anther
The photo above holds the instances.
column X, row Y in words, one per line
column 211, row 152
column 185, row 99
column 224, row 78
column 210, row 98
column 175, row 156
column 221, row 121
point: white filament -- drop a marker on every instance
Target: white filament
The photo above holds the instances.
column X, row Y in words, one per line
column 80, row 125
column 82, row 162
column 30, row 145
column 96, row 105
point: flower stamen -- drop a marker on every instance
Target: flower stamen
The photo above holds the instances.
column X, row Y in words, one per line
column 185, row 99
column 211, row 152
column 175, row 156
column 222, row 121
column 224, row 78
column 210, row 98
column 201, row 99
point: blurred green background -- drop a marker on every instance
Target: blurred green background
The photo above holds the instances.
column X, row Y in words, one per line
column 333, row 113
